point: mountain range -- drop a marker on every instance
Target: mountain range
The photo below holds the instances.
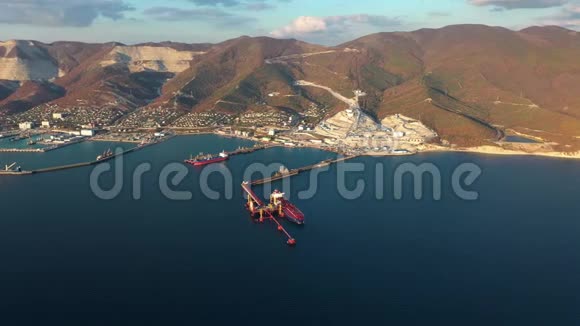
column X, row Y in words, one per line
column 469, row 83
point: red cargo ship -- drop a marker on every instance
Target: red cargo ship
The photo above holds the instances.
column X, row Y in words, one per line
column 278, row 207
column 291, row 212
column 202, row 160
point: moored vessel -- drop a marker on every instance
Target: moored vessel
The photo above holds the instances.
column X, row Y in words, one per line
column 202, row 160
column 278, row 207
column 286, row 208
column 106, row 154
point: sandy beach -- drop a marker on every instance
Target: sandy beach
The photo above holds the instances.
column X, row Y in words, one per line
column 493, row 150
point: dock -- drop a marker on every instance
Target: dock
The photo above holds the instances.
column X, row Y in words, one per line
column 260, row 211
column 249, row 150
column 203, row 159
column 82, row 164
column 22, row 150
column 3, row 172
column 9, row 135
column 290, row 173
column 294, row 172
column 41, row 149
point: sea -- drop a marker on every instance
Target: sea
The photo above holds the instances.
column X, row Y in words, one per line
column 150, row 256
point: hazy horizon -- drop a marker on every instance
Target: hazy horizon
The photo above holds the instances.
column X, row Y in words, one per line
column 288, row 38
column 327, row 22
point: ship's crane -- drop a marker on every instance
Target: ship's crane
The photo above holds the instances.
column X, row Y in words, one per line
column 9, row 167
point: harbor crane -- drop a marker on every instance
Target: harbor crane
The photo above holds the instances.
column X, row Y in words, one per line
column 9, row 167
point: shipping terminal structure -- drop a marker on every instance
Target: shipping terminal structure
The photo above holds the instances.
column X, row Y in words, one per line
column 279, row 207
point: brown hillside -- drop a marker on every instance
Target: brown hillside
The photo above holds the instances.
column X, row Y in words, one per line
column 471, row 83
column 29, row 95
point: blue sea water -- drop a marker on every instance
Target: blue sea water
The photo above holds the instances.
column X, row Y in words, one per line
column 508, row 258
column 20, row 144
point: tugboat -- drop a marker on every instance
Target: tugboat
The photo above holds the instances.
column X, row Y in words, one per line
column 202, row 160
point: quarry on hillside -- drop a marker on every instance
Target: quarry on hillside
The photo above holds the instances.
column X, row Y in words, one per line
column 25, row 61
column 150, row 58
column 353, row 130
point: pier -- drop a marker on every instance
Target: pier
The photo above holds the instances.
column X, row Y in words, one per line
column 82, row 164
column 249, row 150
column 22, row 150
column 258, row 210
column 78, row 165
column 290, row 173
column 202, row 159
column 8, row 135
column 4, row 172
column 294, row 172
column 41, row 149
column 66, row 167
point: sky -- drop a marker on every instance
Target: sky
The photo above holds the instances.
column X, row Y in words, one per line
column 327, row 22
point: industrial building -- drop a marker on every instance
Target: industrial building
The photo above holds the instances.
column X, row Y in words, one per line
column 26, row 125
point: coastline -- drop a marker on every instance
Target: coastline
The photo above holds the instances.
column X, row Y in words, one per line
column 429, row 148
column 485, row 150
column 498, row 151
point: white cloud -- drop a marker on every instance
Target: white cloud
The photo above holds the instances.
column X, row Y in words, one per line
column 333, row 27
column 302, row 25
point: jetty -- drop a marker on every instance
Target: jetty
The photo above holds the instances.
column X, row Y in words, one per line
column 249, row 150
column 22, row 150
column 42, row 149
column 294, row 172
column 9, row 135
column 82, row 164
column 288, row 173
